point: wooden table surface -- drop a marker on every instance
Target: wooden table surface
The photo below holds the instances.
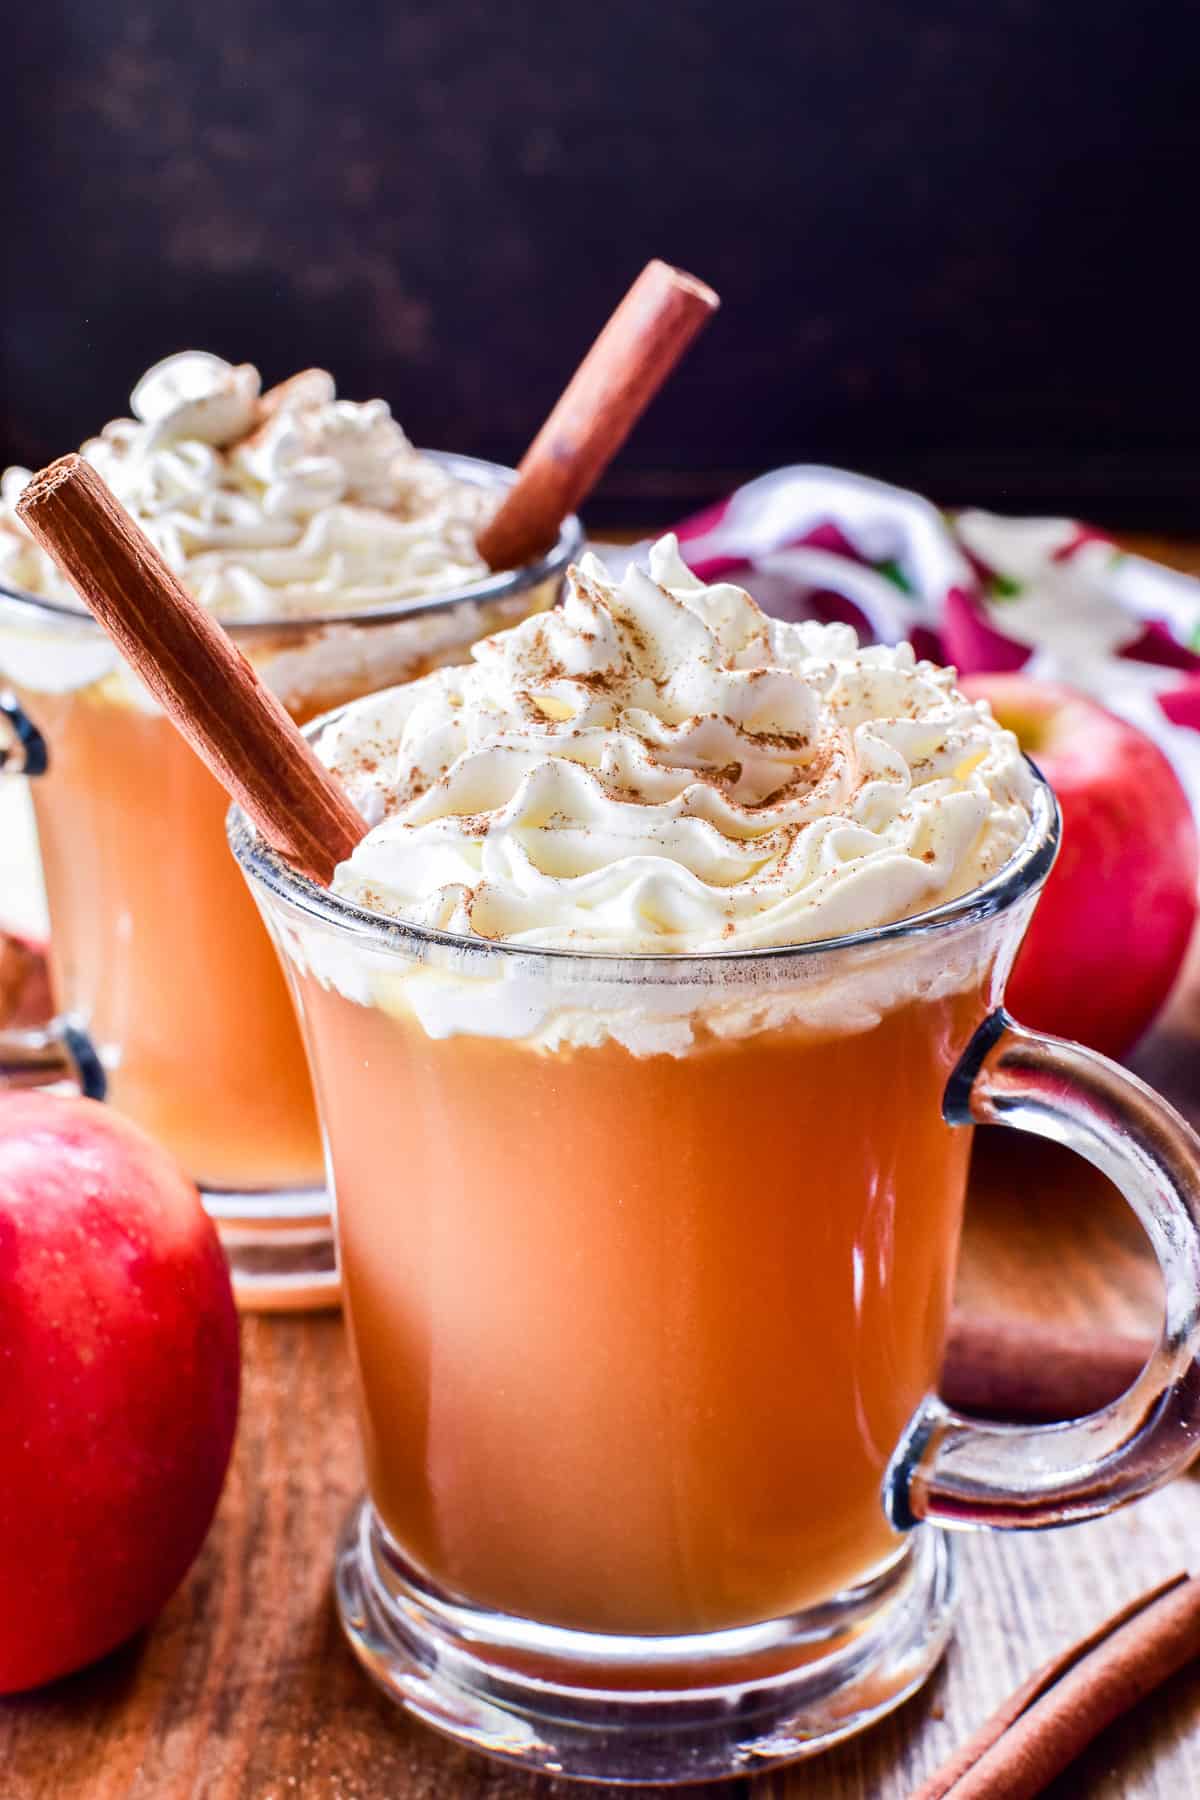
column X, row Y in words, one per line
column 244, row 1690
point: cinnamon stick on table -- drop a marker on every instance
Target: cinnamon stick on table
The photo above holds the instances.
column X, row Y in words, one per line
column 1044, row 1726
column 192, row 667
column 607, row 395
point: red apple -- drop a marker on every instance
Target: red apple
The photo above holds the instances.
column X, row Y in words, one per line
column 1111, row 928
column 119, row 1372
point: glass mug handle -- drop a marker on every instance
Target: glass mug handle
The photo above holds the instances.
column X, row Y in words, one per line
column 61, row 1050
column 955, row 1471
column 27, row 753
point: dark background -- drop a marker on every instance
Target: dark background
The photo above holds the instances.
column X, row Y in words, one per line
column 955, row 242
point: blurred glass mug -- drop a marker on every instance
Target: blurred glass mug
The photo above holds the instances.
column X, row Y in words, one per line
column 653, row 1448
column 171, row 1002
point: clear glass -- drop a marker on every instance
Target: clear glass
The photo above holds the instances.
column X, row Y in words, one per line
column 157, row 951
column 647, row 1266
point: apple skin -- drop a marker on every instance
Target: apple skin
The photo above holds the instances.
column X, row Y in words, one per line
column 1111, row 929
column 119, row 1376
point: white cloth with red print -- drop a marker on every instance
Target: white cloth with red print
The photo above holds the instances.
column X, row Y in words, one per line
column 1051, row 596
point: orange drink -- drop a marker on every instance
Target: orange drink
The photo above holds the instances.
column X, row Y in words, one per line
column 637, row 1337
column 159, row 947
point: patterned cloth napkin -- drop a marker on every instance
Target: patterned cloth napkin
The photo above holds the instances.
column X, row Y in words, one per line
column 1051, row 596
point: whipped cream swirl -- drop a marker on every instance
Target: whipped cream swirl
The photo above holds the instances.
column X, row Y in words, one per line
column 658, row 766
column 278, row 505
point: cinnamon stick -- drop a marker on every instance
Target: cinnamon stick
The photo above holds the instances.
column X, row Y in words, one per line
column 1032, row 1373
column 194, row 670
column 1053, row 1716
column 607, row 395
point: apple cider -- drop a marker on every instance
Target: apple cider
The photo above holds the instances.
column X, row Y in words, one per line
column 157, row 944
column 636, row 1336
column 632, row 1019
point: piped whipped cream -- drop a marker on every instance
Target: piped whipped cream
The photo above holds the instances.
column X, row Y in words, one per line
column 287, row 504
column 660, row 767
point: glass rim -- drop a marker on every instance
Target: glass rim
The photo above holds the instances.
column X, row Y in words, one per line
column 1023, row 873
column 502, row 585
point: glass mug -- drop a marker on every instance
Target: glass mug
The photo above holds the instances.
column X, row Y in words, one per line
column 646, row 1345
column 171, row 1001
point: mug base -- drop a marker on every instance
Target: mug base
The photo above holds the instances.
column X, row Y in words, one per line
column 632, row 1711
column 279, row 1247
